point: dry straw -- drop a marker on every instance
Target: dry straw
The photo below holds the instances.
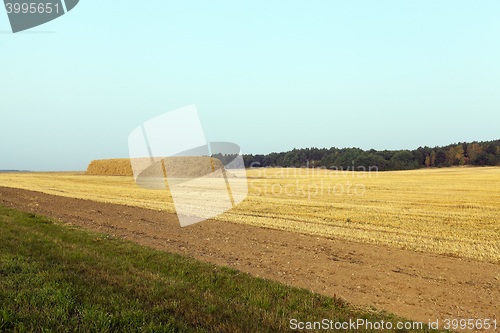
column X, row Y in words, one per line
column 453, row 211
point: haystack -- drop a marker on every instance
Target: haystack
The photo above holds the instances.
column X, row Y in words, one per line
column 181, row 167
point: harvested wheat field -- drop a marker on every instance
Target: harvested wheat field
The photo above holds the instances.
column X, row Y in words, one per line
column 454, row 211
column 381, row 232
column 415, row 285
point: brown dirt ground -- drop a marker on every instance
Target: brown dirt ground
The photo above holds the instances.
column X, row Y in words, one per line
column 418, row 286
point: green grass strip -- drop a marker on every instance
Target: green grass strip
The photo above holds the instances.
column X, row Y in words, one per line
column 59, row 278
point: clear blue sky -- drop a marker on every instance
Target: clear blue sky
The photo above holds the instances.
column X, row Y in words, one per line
column 267, row 75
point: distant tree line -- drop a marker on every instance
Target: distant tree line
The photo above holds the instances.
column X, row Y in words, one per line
column 474, row 153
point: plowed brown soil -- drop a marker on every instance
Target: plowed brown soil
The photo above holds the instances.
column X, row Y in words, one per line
column 415, row 285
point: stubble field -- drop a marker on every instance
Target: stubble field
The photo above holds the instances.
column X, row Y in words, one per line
column 451, row 211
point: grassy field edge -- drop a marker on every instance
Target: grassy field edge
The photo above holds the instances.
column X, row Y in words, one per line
column 60, row 278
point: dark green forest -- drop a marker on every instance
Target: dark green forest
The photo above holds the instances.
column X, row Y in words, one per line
column 474, row 153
